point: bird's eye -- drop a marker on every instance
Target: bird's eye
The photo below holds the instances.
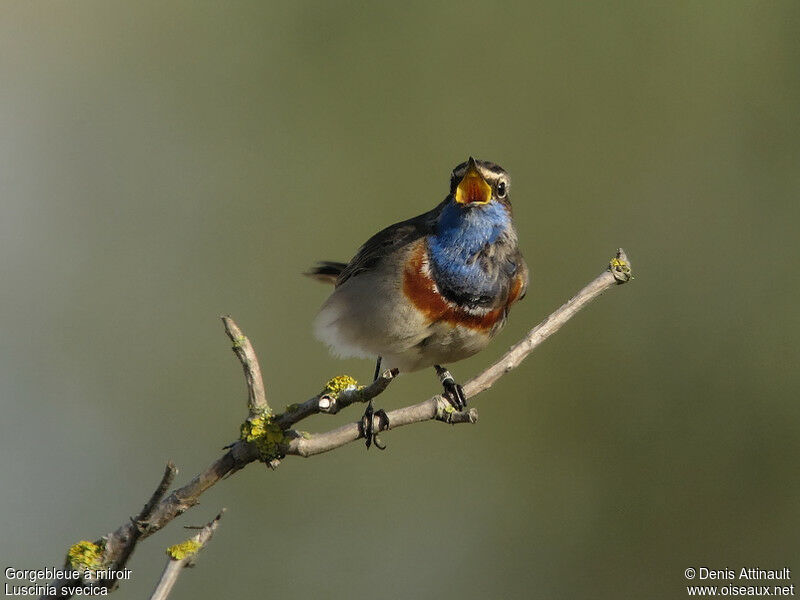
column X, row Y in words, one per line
column 501, row 189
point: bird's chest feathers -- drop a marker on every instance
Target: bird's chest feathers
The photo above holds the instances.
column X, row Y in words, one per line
column 460, row 274
column 466, row 253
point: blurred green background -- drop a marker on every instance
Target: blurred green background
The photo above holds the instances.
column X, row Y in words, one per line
column 164, row 163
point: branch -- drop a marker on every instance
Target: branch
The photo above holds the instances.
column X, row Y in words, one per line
column 618, row 272
column 118, row 546
column 257, row 394
column 141, row 523
column 183, row 555
column 436, row 408
column 330, row 402
column 160, row 511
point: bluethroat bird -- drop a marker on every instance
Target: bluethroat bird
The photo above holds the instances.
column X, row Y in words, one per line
column 430, row 290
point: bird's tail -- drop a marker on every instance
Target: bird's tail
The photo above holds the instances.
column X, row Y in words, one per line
column 326, row 271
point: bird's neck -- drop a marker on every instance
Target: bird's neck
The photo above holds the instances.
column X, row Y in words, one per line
column 462, row 234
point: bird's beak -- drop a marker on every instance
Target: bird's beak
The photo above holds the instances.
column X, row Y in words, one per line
column 473, row 188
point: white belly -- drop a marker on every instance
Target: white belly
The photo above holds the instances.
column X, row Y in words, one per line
column 367, row 318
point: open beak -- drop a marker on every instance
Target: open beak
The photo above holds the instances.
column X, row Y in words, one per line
column 473, row 188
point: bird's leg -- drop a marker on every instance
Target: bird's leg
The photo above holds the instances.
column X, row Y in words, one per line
column 367, row 428
column 453, row 392
column 377, row 368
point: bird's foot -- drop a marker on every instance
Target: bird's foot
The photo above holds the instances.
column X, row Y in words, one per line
column 367, row 426
column 453, row 392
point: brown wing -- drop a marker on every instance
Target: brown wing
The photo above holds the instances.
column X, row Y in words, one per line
column 388, row 240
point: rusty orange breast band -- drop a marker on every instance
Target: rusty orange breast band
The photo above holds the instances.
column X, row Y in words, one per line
column 421, row 290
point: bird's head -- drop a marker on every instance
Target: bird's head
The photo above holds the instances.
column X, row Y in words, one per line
column 479, row 183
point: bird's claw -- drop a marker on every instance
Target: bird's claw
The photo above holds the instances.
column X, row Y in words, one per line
column 453, row 392
column 368, row 429
column 455, row 396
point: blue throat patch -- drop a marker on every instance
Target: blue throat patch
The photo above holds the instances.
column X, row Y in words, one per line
column 461, row 233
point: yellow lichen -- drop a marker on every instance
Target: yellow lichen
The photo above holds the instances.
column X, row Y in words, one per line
column 618, row 263
column 339, row 384
column 266, row 436
column 85, row 555
column 184, row 549
column 621, row 267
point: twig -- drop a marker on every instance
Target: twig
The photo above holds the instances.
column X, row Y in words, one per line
column 618, row 272
column 296, row 443
column 141, row 523
column 257, row 393
column 325, row 402
column 182, row 556
column 118, row 546
column 166, row 480
column 435, row 408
